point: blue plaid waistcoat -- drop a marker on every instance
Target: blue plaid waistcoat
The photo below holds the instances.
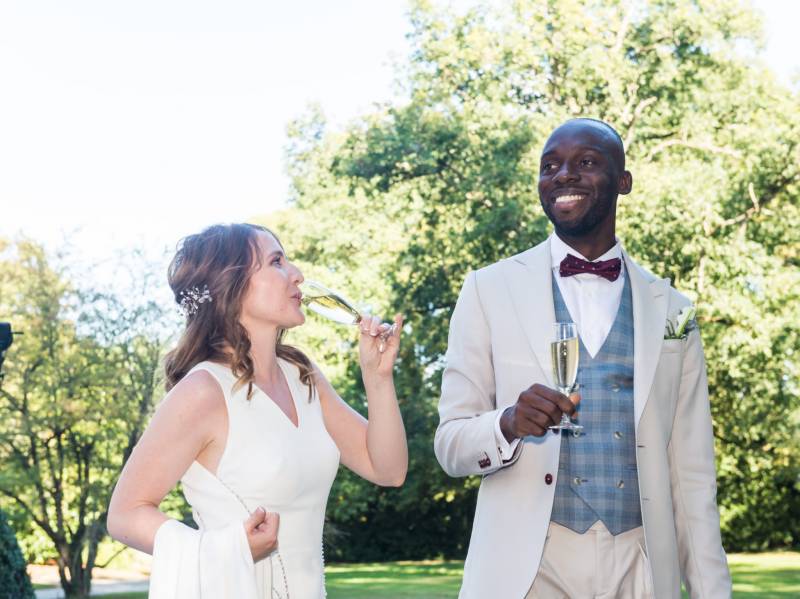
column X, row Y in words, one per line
column 597, row 477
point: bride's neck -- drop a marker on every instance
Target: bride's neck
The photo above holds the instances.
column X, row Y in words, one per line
column 263, row 350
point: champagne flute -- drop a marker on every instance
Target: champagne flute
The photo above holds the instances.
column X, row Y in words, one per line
column 335, row 307
column 564, row 352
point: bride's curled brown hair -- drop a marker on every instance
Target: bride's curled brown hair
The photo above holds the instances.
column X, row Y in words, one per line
column 220, row 259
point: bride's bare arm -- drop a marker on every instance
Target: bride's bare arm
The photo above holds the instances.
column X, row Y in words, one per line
column 191, row 423
column 375, row 449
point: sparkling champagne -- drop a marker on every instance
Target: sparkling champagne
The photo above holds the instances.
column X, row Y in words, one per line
column 564, row 354
column 332, row 306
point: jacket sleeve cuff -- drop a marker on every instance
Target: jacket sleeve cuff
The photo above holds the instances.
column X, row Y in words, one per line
column 504, row 448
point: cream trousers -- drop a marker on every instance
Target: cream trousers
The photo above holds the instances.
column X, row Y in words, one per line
column 593, row 565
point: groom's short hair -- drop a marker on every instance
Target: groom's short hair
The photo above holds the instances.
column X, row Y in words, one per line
column 620, row 154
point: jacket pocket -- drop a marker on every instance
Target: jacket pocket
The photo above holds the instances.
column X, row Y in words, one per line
column 671, row 346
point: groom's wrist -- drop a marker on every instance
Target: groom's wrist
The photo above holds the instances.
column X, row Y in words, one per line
column 507, row 424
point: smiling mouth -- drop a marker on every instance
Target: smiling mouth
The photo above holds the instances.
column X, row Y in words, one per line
column 571, row 198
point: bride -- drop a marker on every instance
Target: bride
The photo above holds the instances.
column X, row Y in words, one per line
column 252, row 429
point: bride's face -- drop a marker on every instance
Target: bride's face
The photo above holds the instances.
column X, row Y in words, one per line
column 273, row 295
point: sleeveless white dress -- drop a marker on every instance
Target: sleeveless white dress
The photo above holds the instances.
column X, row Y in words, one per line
column 268, row 462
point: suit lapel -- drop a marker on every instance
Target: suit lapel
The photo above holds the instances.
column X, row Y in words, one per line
column 650, row 301
column 530, row 285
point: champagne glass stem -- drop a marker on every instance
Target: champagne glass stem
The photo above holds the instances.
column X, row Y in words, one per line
column 384, row 336
column 566, row 421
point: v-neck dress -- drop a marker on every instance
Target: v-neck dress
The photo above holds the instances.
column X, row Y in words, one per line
column 270, row 462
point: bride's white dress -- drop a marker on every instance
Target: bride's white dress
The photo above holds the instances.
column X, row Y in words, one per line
column 269, row 462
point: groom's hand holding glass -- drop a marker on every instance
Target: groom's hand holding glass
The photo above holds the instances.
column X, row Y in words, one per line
column 537, row 409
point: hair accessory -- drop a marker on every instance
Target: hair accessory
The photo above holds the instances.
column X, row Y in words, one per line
column 191, row 299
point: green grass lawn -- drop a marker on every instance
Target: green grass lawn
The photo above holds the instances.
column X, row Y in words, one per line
column 755, row 576
column 765, row 575
column 393, row 580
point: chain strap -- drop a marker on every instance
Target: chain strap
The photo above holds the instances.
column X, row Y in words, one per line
column 274, row 593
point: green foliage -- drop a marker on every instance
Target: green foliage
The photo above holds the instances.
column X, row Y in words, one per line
column 397, row 208
column 78, row 387
column 14, row 581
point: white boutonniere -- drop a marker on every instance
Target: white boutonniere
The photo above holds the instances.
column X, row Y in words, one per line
column 680, row 326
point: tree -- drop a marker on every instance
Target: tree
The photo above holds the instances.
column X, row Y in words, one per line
column 79, row 386
column 399, row 206
column 14, row 581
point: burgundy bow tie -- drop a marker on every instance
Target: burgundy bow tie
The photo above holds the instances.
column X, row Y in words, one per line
column 608, row 269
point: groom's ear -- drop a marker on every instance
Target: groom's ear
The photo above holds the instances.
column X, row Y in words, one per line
column 625, row 183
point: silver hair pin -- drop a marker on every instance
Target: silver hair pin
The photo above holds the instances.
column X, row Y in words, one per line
column 191, row 299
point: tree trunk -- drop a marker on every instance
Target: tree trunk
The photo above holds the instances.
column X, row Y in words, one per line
column 76, row 580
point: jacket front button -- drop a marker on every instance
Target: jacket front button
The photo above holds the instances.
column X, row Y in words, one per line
column 548, row 479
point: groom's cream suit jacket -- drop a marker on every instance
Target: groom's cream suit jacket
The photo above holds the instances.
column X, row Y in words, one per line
column 499, row 345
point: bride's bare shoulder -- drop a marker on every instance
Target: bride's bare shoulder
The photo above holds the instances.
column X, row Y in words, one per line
column 197, row 394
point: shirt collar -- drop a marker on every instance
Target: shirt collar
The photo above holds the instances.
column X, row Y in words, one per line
column 559, row 251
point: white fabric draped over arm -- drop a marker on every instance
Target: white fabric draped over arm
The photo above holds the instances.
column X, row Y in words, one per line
column 201, row 564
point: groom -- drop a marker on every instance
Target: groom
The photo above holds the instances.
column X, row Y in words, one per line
column 627, row 507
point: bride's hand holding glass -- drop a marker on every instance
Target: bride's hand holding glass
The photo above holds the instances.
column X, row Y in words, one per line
column 379, row 344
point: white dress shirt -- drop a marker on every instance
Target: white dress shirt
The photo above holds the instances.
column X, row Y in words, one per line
column 593, row 303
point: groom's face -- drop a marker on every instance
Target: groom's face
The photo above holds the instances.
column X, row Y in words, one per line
column 581, row 172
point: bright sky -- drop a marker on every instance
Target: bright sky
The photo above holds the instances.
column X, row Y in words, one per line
column 135, row 123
